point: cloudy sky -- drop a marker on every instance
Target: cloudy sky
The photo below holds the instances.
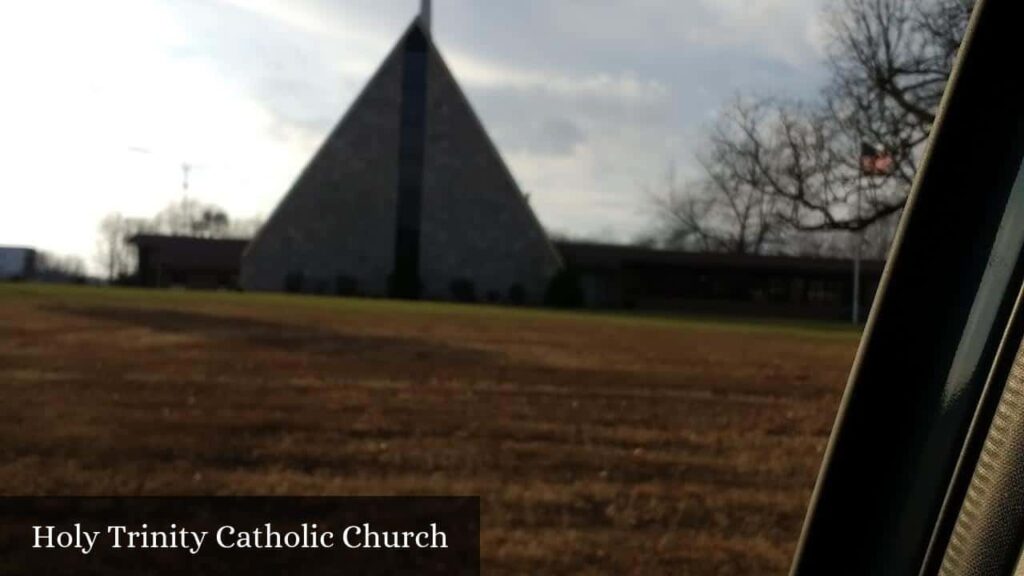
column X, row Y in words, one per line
column 588, row 100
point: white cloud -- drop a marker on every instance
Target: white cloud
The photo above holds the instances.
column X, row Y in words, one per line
column 78, row 107
column 774, row 28
column 474, row 72
column 588, row 100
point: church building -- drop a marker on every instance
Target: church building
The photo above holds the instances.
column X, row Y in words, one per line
column 408, row 197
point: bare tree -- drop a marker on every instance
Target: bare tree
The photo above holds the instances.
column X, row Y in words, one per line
column 244, row 227
column 189, row 217
column 113, row 254
column 723, row 212
column 874, row 241
column 185, row 217
column 57, row 268
column 781, row 165
column 799, row 157
column 890, row 62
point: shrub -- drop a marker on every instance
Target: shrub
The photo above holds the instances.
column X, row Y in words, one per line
column 404, row 286
column 293, row 282
column 517, row 294
column 346, row 285
column 463, row 290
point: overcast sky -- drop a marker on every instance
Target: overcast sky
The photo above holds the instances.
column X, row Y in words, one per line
column 588, row 100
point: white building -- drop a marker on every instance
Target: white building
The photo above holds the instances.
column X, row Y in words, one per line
column 16, row 263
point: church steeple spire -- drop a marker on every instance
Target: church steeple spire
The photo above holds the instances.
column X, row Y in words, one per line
column 425, row 10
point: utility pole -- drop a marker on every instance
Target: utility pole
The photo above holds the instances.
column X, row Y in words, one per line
column 186, row 168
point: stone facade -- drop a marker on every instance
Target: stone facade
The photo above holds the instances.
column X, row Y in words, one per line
column 335, row 229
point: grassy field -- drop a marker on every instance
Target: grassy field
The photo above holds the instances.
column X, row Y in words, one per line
column 599, row 444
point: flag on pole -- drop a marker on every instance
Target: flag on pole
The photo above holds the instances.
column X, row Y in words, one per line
column 875, row 161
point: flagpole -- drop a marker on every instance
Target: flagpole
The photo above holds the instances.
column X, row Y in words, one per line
column 858, row 241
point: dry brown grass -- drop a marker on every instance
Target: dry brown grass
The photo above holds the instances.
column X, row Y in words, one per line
column 599, row 445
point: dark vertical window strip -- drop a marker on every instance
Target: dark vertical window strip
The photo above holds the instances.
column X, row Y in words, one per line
column 405, row 281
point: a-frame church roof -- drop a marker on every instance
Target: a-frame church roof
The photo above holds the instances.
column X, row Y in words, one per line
column 407, row 195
